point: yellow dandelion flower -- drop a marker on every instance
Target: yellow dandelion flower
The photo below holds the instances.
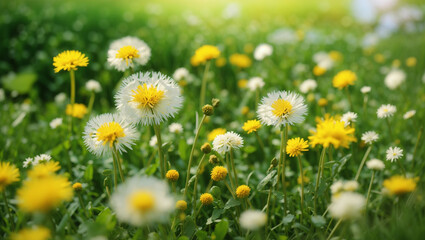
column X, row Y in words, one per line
column 242, row 83
column 218, row 173
column 295, row 146
column 322, row 102
column 336, row 56
column 206, row 199
column 243, row 191
column 69, row 60
column 127, row 53
column 411, row 62
column 400, row 185
column 396, row 63
column 214, row 133
column 36, row 233
column 195, row 60
column 332, row 131
column 205, row 53
column 172, row 175
column 319, row 71
column 251, row 126
column 379, row 58
column 245, row 110
column 343, row 79
column 78, row 111
column 240, row 60
column 44, row 194
column 304, row 178
column 44, row 170
column 77, row 186
column 8, row 175
column 181, row 205
column 220, row 62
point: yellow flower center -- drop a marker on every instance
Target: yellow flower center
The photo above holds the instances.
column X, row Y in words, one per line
column 142, row 201
column 281, row 108
column 147, row 97
column 109, row 132
column 127, row 52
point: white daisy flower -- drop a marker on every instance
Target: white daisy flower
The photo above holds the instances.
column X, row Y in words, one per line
column 93, row 86
column 55, row 123
column 348, row 118
column 142, row 201
column 409, row 114
column 375, row 164
column 225, row 142
column 148, row 98
column 253, row 219
column 124, row 52
column 28, row 161
column 262, row 51
column 282, row 108
column 395, row 78
column 347, row 205
column 180, row 73
column 175, row 128
column 42, row 158
column 337, row 187
column 153, row 141
column 255, row 83
column 308, row 85
column 109, row 130
column 370, row 137
column 386, row 110
column 394, row 153
column 365, row 89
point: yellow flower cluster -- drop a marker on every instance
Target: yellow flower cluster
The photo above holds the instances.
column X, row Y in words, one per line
column 295, row 146
column 172, row 175
column 214, row 133
column 251, row 126
column 206, row 199
column 203, row 54
column 8, row 175
column 70, row 60
column 243, row 191
column 400, row 185
column 240, row 60
column 78, row 111
column 218, row 173
column 343, row 79
column 332, row 131
column 36, row 233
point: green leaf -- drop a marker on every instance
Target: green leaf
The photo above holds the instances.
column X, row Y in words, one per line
column 88, row 174
column 189, row 227
column 288, row 219
column 21, row 82
column 183, row 149
column 151, row 169
column 337, row 168
column 201, row 235
column 215, row 191
column 266, row 180
column 318, row 221
column 107, row 219
column 249, row 149
column 283, row 237
column 221, row 229
column 183, row 238
column 232, row 203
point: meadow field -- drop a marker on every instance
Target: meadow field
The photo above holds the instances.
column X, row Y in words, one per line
column 212, row 119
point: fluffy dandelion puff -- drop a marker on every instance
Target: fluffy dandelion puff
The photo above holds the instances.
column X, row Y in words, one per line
column 347, row 205
column 180, row 73
column 149, row 98
column 262, row 51
column 142, row 201
column 253, row 219
column 394, row 79
column 109, row 130
column 255, row 83
column 370, row 137
column 282, row 108
column 55, row 123
column 124, row 52
column 93, row 86
column 409, row 114
column 225, row 142
column 308, row 85
column 175, row 128
column 394, row 153
column 375, row 164
column 386, row 110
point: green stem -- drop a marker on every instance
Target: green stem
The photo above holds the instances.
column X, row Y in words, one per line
column 80, row 199
column 115, row 171
column 362, row 162
column 282, row 159
column 229, row 167
column 191, row 155
column 230, row 189
column 349, row 98
column 257, row 98
column 117, row 158
column 268, row 209
column 334, row 229
column 389, row 128
column 6, row 203
column 161, row 154
column 302, row 186
column 235, row 175
column 261, row 143
column 322, row 158
column 72, row 76
column 91, row 101
column 195, row 186
column 370, row 187
column 401, row 167
column 204, row 84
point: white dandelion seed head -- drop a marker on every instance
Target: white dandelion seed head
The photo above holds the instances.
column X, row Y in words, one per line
column 121, row 64
column 225, row 142
column 55, row 123
column 175, row 128
column 159, row 210
column 28, row 161
column 386, row 110
column 337, row 187
column 60, row 98
column 365, row 89
column 180, row 73
column 255, row 83
column 153, row 141
column 351, row 186
column 394, row 153
column 308, row 85
column 348, row 205
column 295, row 115
column 166, row 106
column 42, row 158
column 370, row 137
column 101, row 147
column 253, row 219
column 409, row 114
column 349, row 118
column 93, row 86
column 262, row 51
column 375, row 164
column 395, row 78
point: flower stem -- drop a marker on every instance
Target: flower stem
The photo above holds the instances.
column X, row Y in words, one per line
column 334, row 229
column 161, row 154
column 115, row 171
column 322, row 159
column 91, row 102
column 401, row 167
column 268, row 208
column 80, row 199
column 6, row 203
column 196, row 179
column 349, row 98
column 389, row 128
column 204, row 84
column 235, row 175
column 72, row 76
column 230, row 189
column 261, row 143
column 302, row 186
column 117, row 158
column 370, row 187
column 229, row 168
column 282, row 159
column 191, row 155
column 362, row 162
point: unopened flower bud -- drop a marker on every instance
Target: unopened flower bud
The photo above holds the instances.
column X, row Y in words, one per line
column 208, row 110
